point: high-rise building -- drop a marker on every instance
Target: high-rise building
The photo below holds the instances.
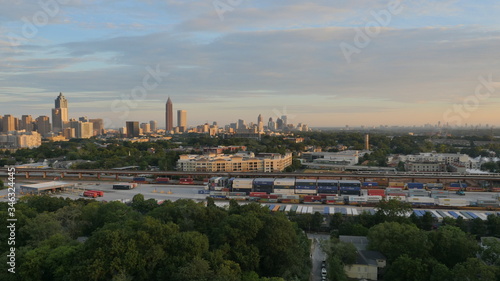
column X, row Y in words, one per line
column 132, row 129
column 153, row 125
column 169, row 115
column 27, row 123
column 83, row 130
column 43, row 126
column 146, row 128
column 98, row 125
column 271, row 125
column 284, row 118
column 241, row 124
column 8, row 123
column 60, row 113
column 182, row 120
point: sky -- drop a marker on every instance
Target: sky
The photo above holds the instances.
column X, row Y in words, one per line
column 323, row 63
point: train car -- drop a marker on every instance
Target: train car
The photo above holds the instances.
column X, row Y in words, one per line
column 306, row 186
column 328, row 186
column 350, row 187
column 263, row 185
column 284, row 186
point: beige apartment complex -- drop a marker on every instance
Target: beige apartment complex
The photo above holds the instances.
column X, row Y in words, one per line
column 239, row 162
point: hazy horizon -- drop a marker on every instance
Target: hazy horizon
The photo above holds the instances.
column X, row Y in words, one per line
column 323, row 64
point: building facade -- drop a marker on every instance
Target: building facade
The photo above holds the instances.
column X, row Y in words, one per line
column 239, row 162
column 169, row 115
column 60, row 113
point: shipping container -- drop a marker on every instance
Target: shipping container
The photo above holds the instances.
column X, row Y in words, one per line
column 393, row 184
column 454, row 202
column 421, row 201
column 349, row 187
column 305, row 184
column 123, row 186
column 99, row 192
column 312, row 199
column 370, row 184
column 284, row 183
column 376, row 192
column 431, row 186
column 162, row 180
column 89, row 193
column 284, row 191
column 373, row 198
column 395, row 197
column 415, row 185
column 186, row 181
column 263, row 185
column 327, row 186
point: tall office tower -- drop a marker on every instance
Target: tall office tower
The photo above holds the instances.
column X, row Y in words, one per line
column 60, row 113
column 271, row 125
column 43, row 126
column 169, row 115
column 279, row 124
column 83, row 130
column 27, row 123
column 153, row 125
column 1, row 123
column 182, row 120
column 8, row 123
column 146, row 128
column 284, row 118
column 367, row 142
column 241, row 124
column 132, row 129
column 98, row 125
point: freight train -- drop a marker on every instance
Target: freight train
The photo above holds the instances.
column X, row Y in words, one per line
column 346, row 192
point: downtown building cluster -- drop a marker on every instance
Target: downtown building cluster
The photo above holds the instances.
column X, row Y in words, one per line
column 27, row 132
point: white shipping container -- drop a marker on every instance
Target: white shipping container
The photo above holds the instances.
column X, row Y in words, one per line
column 299, row 209
column 332, row 210
column 422, row 200
column 288, row 208
column 355, row 212
column 373, row 198
column 349, row 211
column 357, row 199
column 285, row 182
column 243, row 181
column 305, row 191
column 284, row 191
column 400, row 198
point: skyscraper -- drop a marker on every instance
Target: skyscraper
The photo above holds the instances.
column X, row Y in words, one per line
column 59, row 113
column 9, row 123
column 98, row 125
column 43, row 125
column 153, row 125
column 169, row 116
column 132, row 129
column 182, row 120
column 260, row 124
column 27, row 123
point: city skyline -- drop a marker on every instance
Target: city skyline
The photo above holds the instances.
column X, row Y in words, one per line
column 326, row 64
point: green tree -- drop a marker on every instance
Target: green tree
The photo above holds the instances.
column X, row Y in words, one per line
column 406, row 268
column 451, row 245
column 393, row 210
column 491, row 251
column 394, row 239
column 473, row 269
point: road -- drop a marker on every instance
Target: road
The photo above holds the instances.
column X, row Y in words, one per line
column 317, row 255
